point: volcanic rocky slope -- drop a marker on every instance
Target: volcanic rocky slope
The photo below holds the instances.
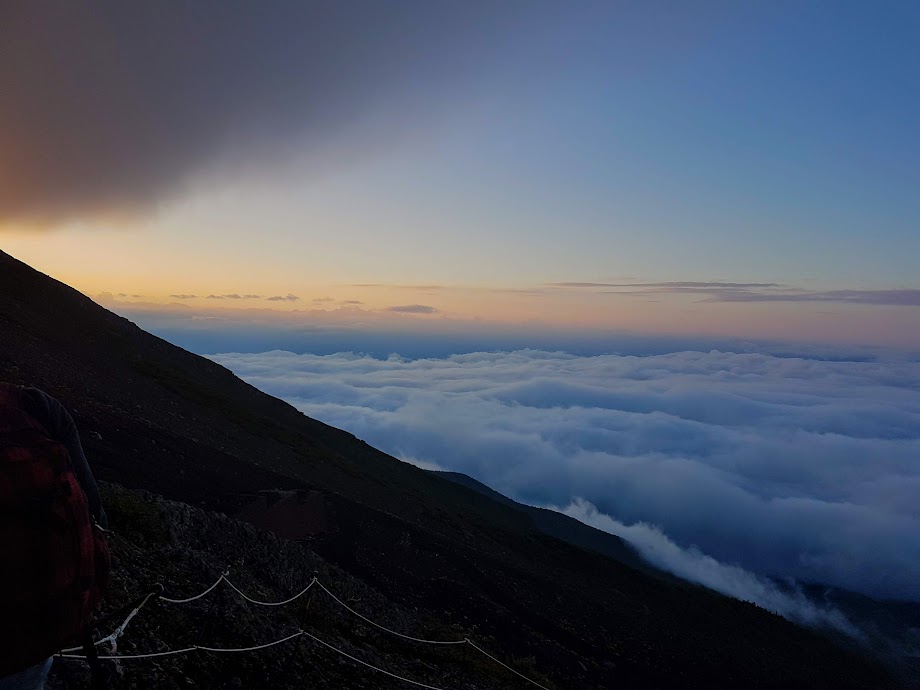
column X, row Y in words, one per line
column 416, row 546
column 185, row 550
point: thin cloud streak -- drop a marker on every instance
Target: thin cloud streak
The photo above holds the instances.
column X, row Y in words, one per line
column 413, row 309
column 899, row 298
column 232, row 295
column 756, row 292
column 421, row 288
column 668, row 285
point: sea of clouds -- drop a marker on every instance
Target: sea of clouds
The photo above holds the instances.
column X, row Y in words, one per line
column 721, row 467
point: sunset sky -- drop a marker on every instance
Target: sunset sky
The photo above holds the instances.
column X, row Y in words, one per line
column 722, row 169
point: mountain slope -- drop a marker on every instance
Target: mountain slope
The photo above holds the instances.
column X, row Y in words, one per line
column 156, row 417
column 561, row 526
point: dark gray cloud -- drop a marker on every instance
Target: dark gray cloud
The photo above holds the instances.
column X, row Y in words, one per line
column 352, row 301
column 784, row 467
column 321, row 300
column 109, row 107
column 283, row 298
column 413, row 309
column 252, row 296
column 184, row 296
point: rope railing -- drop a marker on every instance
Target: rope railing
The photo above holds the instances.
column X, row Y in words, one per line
column 385, row 629
column 364, row 663
column 233, row 650
column 314, row 581
column 272, row 603
column 223, row 578
column 149, row 655
column 119, row 631
column 497, row 661
column 198, row 596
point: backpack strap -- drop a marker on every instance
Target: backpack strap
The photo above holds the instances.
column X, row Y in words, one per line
column 91, row 652
column 15, row 415
column 9, row 393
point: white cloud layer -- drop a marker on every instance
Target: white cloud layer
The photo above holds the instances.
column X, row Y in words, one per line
column 792, row 468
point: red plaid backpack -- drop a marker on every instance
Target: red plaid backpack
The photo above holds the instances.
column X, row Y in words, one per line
column 54, row 561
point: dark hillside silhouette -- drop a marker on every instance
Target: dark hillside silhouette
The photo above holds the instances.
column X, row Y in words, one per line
column 156, row 417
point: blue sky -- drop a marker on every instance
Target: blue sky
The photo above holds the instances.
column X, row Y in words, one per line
column 775, row 142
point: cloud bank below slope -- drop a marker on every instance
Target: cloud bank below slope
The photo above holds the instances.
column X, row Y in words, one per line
column 793, row 468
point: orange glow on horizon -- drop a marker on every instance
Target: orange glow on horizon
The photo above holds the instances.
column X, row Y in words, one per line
column 99, row 263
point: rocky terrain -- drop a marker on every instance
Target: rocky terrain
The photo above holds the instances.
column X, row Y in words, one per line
column 156, row 541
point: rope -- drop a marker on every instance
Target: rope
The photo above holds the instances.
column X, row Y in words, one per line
column 228, row 650
column 186, row 650
column 197, row 596
column 271, row 603
column 224, row 578
column 482, row 651
column 364, row 663
column 392, row 632
column 119, row 631
column 250, row 649
column 131, row 656
column 465, row 640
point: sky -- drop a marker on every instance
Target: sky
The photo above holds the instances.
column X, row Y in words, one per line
column 715, row 169
column 654, row 264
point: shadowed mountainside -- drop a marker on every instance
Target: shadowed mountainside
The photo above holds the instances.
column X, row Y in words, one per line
column 186, row 549
column 156, row 417
column 562, row 527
